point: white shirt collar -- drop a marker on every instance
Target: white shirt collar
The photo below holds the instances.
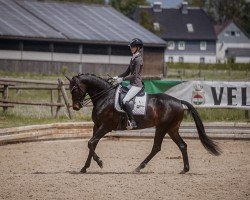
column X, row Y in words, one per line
column 135, row 54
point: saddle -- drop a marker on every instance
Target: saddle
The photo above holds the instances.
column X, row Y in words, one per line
column 124, row 90
column 138, row 103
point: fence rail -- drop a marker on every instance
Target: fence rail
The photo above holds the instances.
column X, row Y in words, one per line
column 7, row 84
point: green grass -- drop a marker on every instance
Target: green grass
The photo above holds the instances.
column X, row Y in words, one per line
column 10, row 118
column 223, row 72
column 219, row 115
column 193, row 66
column 22, row 115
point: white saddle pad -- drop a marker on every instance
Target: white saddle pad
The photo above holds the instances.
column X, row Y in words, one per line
column 140, row 103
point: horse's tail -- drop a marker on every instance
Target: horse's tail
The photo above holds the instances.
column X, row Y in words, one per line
column 210, row 145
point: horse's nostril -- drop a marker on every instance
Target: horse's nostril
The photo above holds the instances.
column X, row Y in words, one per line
column 76, row 107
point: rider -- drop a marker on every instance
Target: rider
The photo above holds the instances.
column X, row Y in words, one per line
column 132, row 74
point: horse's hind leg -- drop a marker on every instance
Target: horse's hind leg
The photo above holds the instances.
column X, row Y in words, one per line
column 183, row 147
column 159, row 135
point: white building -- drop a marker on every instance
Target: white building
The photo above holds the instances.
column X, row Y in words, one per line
column 233, row 43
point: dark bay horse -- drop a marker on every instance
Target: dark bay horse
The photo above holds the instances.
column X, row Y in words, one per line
column 162, row 111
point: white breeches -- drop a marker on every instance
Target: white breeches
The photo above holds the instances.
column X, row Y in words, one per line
column 131, row 93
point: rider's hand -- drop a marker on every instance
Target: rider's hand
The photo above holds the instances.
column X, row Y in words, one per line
column 115, row 78
column 119, row 80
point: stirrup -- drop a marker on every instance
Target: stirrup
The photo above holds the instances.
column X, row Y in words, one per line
column 131, row 126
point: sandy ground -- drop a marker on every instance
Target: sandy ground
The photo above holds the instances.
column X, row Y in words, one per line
column 47, row 170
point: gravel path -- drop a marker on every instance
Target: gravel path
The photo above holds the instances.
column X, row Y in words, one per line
column 49, row 170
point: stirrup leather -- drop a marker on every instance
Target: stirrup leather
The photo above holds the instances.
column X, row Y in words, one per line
column 129, row 125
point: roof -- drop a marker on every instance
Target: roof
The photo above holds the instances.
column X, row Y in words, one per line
column 238, row 52
column 220, row 27
column 70, row 22
column 167, row 4
column 173, row 23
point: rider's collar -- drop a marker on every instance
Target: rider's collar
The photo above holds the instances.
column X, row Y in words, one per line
column 135, row 54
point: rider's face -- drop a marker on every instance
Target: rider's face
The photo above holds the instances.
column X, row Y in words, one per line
column 133, row 49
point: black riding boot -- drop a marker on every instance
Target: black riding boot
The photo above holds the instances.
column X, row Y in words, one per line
column 128, row 110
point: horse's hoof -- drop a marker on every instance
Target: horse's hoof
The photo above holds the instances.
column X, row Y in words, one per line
column 184, row 171
column 100, row 163
column 137, row 170
column 83, row 170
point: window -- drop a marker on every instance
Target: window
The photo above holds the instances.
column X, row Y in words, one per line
column 203, row 45
column 156, row 26
column 190, row 28
column 36, row 46
column 181, row 45
column 171, row 45
column 120, row 50
column 100, row 49
column 9, row 44
column 181, row 59
column 202, row 60
column 232, row 33
column 237, row 33
column 170, row 59
column 66, row 48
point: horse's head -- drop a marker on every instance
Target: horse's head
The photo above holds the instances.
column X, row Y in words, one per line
column 78, row 92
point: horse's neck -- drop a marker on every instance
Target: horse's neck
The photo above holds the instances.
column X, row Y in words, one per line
column 96, row 86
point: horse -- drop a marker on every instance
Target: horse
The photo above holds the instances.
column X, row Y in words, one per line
column 163, row 112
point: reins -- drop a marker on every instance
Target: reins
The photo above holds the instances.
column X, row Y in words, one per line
column 98, row 95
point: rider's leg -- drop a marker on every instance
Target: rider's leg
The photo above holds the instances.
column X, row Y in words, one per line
column 131, row 94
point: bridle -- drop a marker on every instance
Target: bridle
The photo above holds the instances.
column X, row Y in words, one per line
column 87, row 101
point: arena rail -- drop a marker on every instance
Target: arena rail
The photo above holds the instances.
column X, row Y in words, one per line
column 81, row 130
column 14, row 84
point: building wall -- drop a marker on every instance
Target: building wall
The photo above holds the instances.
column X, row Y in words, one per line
column 154, row 63
column 227, row 40
column 192, row 52
column 47, row 62
column 222, row 47
column 45, row 67
column 242, row 59
column 192, row 58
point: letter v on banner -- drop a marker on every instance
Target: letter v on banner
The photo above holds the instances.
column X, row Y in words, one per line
column 217, row 100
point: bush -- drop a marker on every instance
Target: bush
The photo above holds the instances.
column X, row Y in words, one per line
column 229, row 66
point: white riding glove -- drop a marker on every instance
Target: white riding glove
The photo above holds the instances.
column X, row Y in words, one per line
column 119, row 80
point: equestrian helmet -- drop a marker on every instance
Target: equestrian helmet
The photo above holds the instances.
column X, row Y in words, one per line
column 136, row 42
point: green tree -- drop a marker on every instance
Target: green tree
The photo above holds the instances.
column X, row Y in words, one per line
column 83, row 1
column 224, row 10
column 197, row 3
column 236, row 10
column 127, row 6
column 147, row 21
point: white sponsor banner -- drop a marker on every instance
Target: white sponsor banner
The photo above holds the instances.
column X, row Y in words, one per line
column 213, row 94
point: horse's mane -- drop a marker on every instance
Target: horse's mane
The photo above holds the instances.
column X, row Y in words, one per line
column 97, row 79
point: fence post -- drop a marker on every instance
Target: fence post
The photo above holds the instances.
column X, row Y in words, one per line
column 5, row 95
column 59, row 100
column 51, row 100
column 64, row 94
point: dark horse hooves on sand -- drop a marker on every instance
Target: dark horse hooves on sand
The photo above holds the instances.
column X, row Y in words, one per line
column 162, row 111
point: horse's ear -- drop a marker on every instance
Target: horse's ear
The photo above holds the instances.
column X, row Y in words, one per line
column 68, row 78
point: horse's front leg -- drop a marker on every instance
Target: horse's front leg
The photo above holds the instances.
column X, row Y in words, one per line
column 98, row 133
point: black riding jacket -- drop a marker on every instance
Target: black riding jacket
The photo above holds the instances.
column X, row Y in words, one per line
column 134, row 71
